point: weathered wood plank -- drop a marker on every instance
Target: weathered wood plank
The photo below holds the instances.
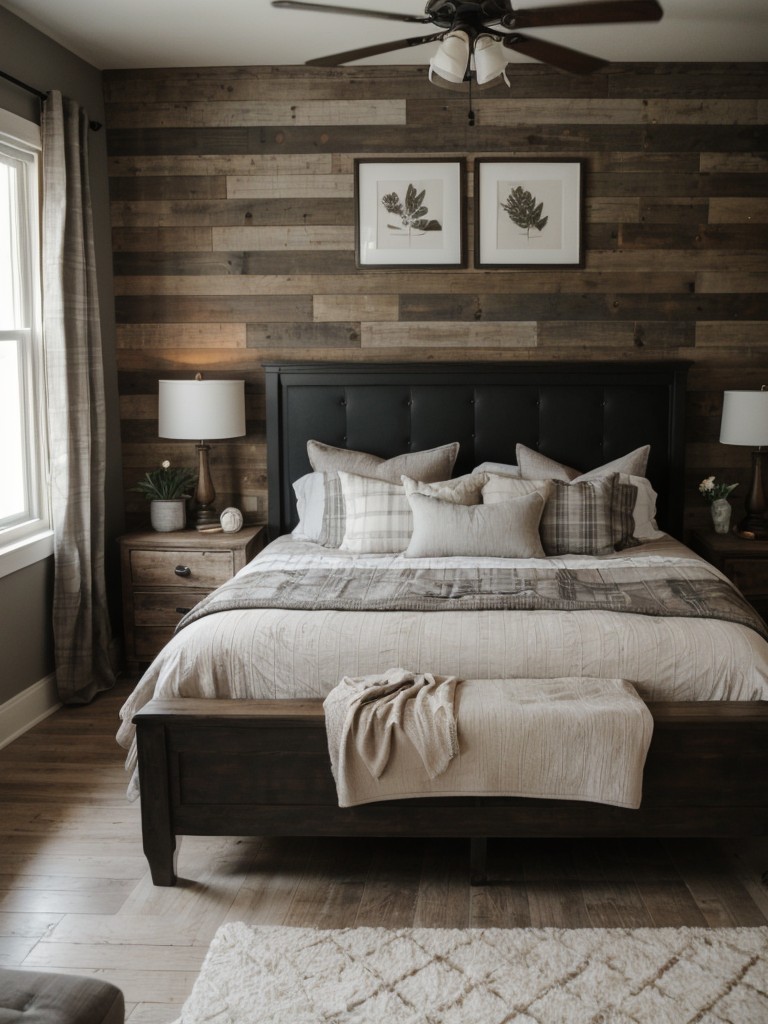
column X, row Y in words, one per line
column 437, row 334
column 712, row 281
column 154, row 165
column 183, row 335
column 289, row 186
column 355, row 307
column 732, row 333
column 228, row 113
column 738, row 210
column 624, row 111
column 238, row 309
column 178, row 187
column 314, row 335
column 230, row 212
column 325, row 237
column 161, row 239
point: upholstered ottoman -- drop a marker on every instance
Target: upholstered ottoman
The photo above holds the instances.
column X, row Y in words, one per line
column 31, row 997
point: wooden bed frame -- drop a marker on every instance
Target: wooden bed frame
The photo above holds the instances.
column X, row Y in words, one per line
column 261, row 767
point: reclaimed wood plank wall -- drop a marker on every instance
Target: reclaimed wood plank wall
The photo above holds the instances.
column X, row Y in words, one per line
column 233, row 225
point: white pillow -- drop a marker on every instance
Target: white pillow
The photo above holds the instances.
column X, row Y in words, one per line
column 378, row 515
column 644, row 512
column 507, row 529
column 320, row 505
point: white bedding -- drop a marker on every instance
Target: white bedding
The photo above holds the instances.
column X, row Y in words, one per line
column 273, row 653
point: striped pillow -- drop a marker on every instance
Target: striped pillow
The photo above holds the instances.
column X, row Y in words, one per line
column 378, row 515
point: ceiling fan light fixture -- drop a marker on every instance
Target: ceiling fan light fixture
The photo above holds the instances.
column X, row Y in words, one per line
column 490, row 59
column 452, row 58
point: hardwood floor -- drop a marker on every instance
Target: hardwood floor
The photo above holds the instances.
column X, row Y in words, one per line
column 76, row 896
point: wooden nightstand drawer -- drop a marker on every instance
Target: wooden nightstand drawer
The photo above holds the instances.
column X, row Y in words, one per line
column 195, row 568
column 148, row 640
column 749, row 574
column 164, row 607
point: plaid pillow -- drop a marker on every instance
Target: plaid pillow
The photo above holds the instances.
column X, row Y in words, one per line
column 320, row 505
column 578, row 519
column 378, row 515
column 622, row 513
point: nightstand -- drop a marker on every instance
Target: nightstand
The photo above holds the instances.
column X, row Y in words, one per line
column 165, row 574
column 744, row 562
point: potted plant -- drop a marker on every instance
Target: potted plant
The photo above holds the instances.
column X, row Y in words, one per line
column 167, row 489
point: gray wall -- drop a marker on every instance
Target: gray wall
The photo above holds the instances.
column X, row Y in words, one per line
column 26, row 650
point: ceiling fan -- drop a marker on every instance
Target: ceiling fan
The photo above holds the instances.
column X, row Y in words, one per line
column 475, row 33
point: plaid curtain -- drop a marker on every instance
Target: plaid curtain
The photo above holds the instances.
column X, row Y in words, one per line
column 75, row 406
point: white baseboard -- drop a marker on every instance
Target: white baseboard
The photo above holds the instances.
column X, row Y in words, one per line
column 28, row 708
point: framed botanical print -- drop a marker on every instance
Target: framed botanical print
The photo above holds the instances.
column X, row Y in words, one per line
column 528, row 212
column 410, row 213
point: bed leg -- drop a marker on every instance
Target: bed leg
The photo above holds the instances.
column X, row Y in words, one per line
column 478, row 860
column 157, row 832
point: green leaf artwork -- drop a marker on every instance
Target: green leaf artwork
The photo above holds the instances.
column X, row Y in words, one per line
column 524, row 211
column 411, row 211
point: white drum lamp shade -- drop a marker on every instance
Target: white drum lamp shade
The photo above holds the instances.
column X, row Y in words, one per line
column 745, row 422
column 197, row 410
column 745, row 418
column 202, row 410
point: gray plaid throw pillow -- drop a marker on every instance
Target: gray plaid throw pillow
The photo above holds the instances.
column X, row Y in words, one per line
column 578, row 518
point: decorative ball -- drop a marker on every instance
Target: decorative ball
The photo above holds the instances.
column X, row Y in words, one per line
column 231, row 520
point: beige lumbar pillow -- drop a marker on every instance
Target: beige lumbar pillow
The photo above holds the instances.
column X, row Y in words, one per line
column 433, row 464
column 508, row 529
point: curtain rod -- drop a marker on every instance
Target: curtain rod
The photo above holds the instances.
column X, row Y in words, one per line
column 93, row 125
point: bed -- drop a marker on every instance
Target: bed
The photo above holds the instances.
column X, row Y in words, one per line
column 230, row 735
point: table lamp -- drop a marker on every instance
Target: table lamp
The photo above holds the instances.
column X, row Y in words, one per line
column 211, row 409
column 745, row 421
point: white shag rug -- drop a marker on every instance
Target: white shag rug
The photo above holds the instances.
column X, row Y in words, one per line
column 273, row 975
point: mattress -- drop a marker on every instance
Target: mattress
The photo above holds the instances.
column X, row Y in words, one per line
column 279, row 653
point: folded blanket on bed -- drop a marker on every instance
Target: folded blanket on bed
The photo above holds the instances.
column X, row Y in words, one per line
column 692, row 591
column 561, row 739
column 362, row 717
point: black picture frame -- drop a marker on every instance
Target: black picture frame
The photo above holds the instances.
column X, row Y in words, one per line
column 529, row 212
column 423, row 224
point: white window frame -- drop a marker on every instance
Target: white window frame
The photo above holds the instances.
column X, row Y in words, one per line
column 31, row 538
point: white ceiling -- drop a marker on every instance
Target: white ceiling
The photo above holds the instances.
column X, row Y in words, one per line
column 193, row 33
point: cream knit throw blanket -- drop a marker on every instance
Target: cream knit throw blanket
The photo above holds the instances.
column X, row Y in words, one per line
column 363, row 718
column 394, row 736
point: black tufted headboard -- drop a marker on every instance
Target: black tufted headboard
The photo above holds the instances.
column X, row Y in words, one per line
column 582, row 414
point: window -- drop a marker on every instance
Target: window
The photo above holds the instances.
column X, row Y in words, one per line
column 23, row 497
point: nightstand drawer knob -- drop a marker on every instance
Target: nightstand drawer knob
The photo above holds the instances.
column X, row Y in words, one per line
column 183, row 611
column 183, row 570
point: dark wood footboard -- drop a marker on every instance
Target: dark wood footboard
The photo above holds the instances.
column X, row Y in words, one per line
column 261, row 767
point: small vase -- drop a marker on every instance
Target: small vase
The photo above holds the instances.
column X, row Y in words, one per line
column 721, row 515
column 167, row 516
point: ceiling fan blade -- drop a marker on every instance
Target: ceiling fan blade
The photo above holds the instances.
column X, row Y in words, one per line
column 601, row 12
column 549, row 53
column 297, row 5
column 371, row 51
